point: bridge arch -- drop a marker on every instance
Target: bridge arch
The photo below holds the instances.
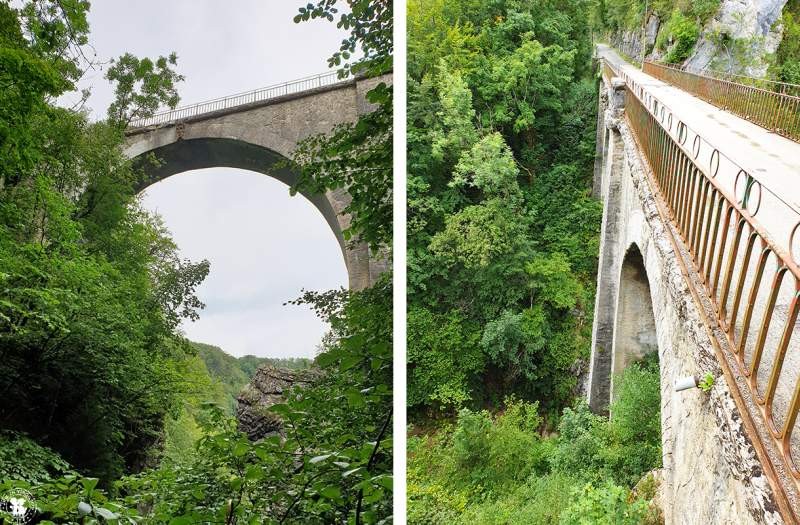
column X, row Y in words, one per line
column 634, row 321
column 194, row 154
column 256, row 135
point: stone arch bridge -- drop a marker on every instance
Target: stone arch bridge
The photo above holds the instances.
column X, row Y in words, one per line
column 697, row 263
column 256, row 130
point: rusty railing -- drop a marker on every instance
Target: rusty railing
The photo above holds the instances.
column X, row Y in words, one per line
column 250, row 97
column 751, row 279
column 772, row 105
column 607, row 71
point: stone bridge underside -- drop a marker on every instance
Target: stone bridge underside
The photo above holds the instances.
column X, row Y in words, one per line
column 256, row 137
column 711, row 472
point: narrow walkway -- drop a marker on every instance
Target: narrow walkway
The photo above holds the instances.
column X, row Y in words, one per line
column 770, row 158
column 748, row 144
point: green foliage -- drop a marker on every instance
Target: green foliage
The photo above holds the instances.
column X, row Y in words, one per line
column 356, row 156
column 787, row 56
column 501, row 452
column 500, row 469
column 623, row 447
column 21, row 458
column 443, row 354
column 606, row 504
column 370, row 23
column 89, row 369
column 678, row 37
column 500, row 149
column 540, row 500
column 141, row 86
column 73, row 499
column 707, row 383
column 94, row 365
column 335, row 461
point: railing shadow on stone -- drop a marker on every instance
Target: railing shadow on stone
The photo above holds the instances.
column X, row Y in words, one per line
column 741, row 239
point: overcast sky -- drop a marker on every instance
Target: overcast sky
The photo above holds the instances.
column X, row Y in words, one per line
column 264, row 246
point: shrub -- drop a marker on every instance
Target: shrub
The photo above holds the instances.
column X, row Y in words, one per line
column 507, row 450
column 539, row 500
column 635, row 424
column 435, row 497
column 21, row 458
column 471, row 439
column 787, row 67
column 684, row 33
column 605, row 504
column 443, row 355
column 583, row 438
column 623, row 447
column 703, row 10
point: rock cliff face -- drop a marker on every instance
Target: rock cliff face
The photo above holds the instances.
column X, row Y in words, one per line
column 738, row 39
column 267, row 388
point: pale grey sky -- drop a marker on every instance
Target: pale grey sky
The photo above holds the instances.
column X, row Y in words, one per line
column 264, row 246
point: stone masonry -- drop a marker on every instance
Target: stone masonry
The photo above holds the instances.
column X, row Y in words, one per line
column 256, row 137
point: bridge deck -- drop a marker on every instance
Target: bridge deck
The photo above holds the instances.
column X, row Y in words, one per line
column 768, row 156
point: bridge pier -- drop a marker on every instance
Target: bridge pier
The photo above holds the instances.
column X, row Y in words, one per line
column 608, row 189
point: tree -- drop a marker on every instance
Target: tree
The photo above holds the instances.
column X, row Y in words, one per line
column 356, row 156
column 502, row 230
column 88, row 367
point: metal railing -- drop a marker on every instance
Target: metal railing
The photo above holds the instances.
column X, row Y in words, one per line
column 772, row 105
column 231, row 101
column 607, row 71
column 751, row 279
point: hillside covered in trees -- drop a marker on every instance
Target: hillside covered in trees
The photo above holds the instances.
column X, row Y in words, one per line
column 503, row 237
column 108, row 413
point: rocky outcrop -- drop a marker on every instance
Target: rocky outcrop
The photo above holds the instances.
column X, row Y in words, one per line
column 268, row 387
column 739, row 38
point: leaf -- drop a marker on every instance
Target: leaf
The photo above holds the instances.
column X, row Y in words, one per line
column 351, row 472
column 349, row 362
column 319, row 459
column 254, row 473
column 331, row 492
column 241, row 449
column 105, row 513
column 355, row 398
column 89, row 484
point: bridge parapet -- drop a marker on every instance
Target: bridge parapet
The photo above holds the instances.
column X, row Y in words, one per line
column 772, row 105
column 746, row 284
column 293, row 87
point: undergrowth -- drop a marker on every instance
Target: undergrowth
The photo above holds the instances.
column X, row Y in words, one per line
column 497, row 468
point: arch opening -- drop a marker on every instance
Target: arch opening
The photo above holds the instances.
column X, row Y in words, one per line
column 194, row 154
column 634, row 324
column 264, row 248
